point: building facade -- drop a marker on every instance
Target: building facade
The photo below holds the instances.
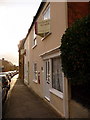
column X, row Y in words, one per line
column 42, row 62
column 21, row 59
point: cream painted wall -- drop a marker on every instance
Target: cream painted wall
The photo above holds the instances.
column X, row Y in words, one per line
column 34, row 58
column 59, row 23
column 58, row 26
column 57, row 103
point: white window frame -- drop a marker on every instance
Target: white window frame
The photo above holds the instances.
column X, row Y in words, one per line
column 61, row 76
column 45, row 12
column 53, row 90
column 34, row 42
column 34, row 35
column 35, row 73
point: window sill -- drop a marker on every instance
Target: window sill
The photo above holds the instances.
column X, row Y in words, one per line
column 57, row 93
column 35, row 81
column 46, row 36
column 34, row 46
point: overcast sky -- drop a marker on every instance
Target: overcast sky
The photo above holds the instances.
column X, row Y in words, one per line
column 15, row 19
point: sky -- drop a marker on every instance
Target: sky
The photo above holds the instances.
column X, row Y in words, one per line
column 16, row 17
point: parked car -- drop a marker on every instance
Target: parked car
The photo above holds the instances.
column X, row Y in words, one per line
column 9, row 77
column 5, row 85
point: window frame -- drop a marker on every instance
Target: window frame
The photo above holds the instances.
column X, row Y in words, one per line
column 43, row 14
column 34, row 41
column 53, row 53
column 35, row 73
column 45, row 11
column 61, row 91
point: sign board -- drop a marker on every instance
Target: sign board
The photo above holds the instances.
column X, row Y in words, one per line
column 42, row 27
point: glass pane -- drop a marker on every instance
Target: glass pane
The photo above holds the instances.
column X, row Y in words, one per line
column 35, row 71
column 47, row 71
column 57, row 74
column 47, row 13
column 34, row 34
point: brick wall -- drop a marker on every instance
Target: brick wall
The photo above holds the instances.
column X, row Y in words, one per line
column 77, row 10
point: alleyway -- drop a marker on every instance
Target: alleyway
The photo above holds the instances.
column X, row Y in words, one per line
column 23, row 103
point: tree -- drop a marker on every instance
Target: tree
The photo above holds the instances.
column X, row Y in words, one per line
column 75, row 55
column 75, row 51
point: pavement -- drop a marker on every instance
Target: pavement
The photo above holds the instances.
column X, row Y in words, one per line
column 23, row 103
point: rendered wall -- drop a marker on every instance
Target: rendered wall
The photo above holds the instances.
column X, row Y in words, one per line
column 57, row 103
column 58, row 26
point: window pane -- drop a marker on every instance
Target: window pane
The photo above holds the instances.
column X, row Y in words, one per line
column 34, row 34
column 35, row 71
column 34, row 38
column 47, row 13
column 57, row 82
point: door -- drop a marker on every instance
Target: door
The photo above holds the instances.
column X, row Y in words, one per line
column 47, row 80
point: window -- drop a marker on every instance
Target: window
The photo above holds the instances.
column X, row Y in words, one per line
column 34, row 38
column 57, row 81
column 48, row 71
column 46, row 17
column 34, row 34
column 35, row 71
column 46, row 14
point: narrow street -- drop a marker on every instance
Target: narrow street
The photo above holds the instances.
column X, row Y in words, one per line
column 23, row 103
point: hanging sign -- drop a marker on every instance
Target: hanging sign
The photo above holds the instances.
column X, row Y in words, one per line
column 42, row 27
